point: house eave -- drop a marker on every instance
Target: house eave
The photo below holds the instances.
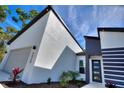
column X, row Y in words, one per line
column 46, row 10
column 91, row 37
column 80, row 54
column 109, row 29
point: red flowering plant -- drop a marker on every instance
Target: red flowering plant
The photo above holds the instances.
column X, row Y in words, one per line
column 110, row 84
column 15, row 72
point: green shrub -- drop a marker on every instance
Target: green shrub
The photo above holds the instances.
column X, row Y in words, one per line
column 64, row 83
column 68, row 76
column 65, row 78
column 49, row 81
column 74, row 75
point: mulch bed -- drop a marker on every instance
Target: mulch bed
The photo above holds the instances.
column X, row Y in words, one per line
column 21, row 84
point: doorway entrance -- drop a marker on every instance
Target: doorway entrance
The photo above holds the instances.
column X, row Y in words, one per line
column 96, row 71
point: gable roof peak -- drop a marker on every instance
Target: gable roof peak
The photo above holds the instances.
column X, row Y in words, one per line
column 46, row 10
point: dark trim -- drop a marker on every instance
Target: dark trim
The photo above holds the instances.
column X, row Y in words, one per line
column 113, row 56
column 99, row 64
column 115, row 52
column 80, row 53
column 114, row 68
column 112, row 72
column 115, row 29
column 114, row 77
column 111, row 49
column 113, row 64
column 46, row 10
column 113, row 60
column 109, row 29
column 91, row 37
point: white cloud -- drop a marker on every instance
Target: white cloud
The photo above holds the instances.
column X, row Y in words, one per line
column 72, row 14
column 110, row 16
column 94, row 13
column 84, row 20
column 81, row 27
column 106, row 16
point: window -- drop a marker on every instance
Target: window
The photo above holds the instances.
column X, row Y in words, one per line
column 81, row 67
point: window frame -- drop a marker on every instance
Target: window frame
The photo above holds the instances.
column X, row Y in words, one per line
column 81, row 66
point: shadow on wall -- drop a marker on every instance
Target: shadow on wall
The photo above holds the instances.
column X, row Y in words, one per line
column 65, row 62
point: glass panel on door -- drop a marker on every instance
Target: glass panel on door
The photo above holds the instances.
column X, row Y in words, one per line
column 96, row 71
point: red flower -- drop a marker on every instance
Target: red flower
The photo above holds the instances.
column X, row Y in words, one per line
column 16, row 71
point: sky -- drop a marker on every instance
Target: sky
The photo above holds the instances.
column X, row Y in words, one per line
column 81, row 20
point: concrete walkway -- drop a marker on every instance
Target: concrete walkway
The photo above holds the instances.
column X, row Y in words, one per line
column 94, row 85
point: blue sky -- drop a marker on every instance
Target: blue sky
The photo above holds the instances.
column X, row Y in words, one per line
column 81, row 20
column 13, row 10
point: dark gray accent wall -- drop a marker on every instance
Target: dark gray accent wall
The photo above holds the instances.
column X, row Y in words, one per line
column 92, row 46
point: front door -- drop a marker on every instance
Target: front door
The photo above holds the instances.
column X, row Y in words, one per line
column 96, row 71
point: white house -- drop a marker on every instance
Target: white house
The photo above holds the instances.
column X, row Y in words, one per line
column 44, row 48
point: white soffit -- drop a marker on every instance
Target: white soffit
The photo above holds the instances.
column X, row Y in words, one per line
column 55, row 39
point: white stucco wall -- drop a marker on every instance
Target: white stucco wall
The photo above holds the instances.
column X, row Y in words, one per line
column 111, row 39
column 54, row 40
column 81, row 57
column 31, row 37
column 4, row 61
column 66, row 62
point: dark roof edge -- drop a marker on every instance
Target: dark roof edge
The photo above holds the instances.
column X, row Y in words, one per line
column 66, row 27
column 80, row 53
column 46, row 10
column 29, row 24
column 110, row 29
column 91, row 37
